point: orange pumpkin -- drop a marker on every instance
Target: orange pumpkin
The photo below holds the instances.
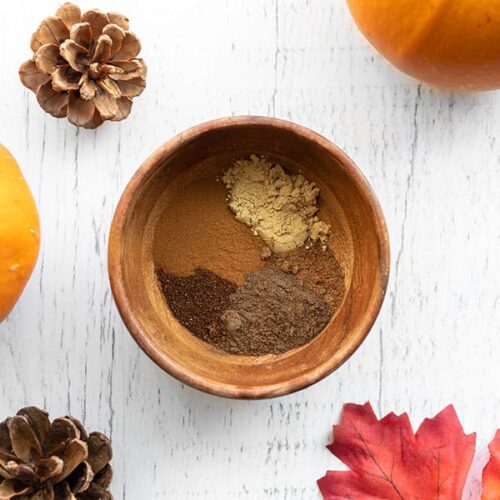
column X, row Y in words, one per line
column 19, row 232
column 453, row 44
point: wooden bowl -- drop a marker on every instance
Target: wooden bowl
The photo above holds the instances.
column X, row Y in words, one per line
column 359, row 241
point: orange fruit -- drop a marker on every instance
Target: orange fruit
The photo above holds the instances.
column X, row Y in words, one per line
column 19, row 232
column 453, row 44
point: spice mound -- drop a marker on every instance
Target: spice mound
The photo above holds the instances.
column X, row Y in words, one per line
column 281, row 208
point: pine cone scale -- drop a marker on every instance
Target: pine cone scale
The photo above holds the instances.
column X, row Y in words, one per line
column 65, row 79
column 116, row 35
column 24, row 442
column 21, row 472
column 75, row 453
column 48, row 58
column 97, row 20
column 4, row 437
column 10, row 491
column 110, row 87
column 4, row 474
column 131, row 46
column 132, row 87
column 69, row 14
column 82, row 478
column 104, row 478
column 102, row 52
column 62, row 430
column 99, row 451
column 119, row 19
column 135, row 68
column 63, row 492
column 75, row 55
column 124, row 108
column 51, row 101
column 105, row 104
column 32, row 77
column 49, row 468
column 39, row 421
column 80, row 112
column 51, row 30
column 81, row 33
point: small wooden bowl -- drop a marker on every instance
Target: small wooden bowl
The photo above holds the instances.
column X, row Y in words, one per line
column 359, row 241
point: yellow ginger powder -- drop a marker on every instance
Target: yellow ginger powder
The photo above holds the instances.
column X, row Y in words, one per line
column 280, row 208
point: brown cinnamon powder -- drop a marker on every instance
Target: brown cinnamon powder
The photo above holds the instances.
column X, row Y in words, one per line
column 199, row 230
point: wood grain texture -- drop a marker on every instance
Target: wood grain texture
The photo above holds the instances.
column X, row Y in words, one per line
column 431, row 156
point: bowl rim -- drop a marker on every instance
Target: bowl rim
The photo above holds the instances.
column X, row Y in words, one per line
column 162, row 359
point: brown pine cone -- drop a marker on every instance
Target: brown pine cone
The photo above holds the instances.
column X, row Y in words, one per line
column 40, row 460
column 85, row 66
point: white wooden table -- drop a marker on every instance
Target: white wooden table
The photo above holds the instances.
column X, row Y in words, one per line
column 432, row 157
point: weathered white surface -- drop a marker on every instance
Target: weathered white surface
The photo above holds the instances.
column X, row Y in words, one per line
column 431, row 156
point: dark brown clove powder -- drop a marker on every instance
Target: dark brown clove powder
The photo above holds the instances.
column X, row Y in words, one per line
column 198, row 301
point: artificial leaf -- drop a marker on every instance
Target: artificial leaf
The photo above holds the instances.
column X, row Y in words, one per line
column 389, row 461
column 491, row 473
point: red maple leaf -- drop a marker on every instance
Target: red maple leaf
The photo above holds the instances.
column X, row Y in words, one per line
column 491, row 473
column 389, row 461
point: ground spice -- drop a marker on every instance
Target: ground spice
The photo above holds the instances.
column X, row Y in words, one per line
column 283, row 299
column 315, row 268
column 198, row 229
column 281, row 208
column 198, row 301
column 272, row 313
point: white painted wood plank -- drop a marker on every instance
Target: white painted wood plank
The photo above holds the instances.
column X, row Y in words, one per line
column 431, row 156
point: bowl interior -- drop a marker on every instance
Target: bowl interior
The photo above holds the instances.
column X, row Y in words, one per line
column 151, row 231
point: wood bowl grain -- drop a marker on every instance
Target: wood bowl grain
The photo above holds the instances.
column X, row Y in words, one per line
column 359, row 240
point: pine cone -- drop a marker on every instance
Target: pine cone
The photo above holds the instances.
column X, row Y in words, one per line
column 85, row 67
column 40, row 460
